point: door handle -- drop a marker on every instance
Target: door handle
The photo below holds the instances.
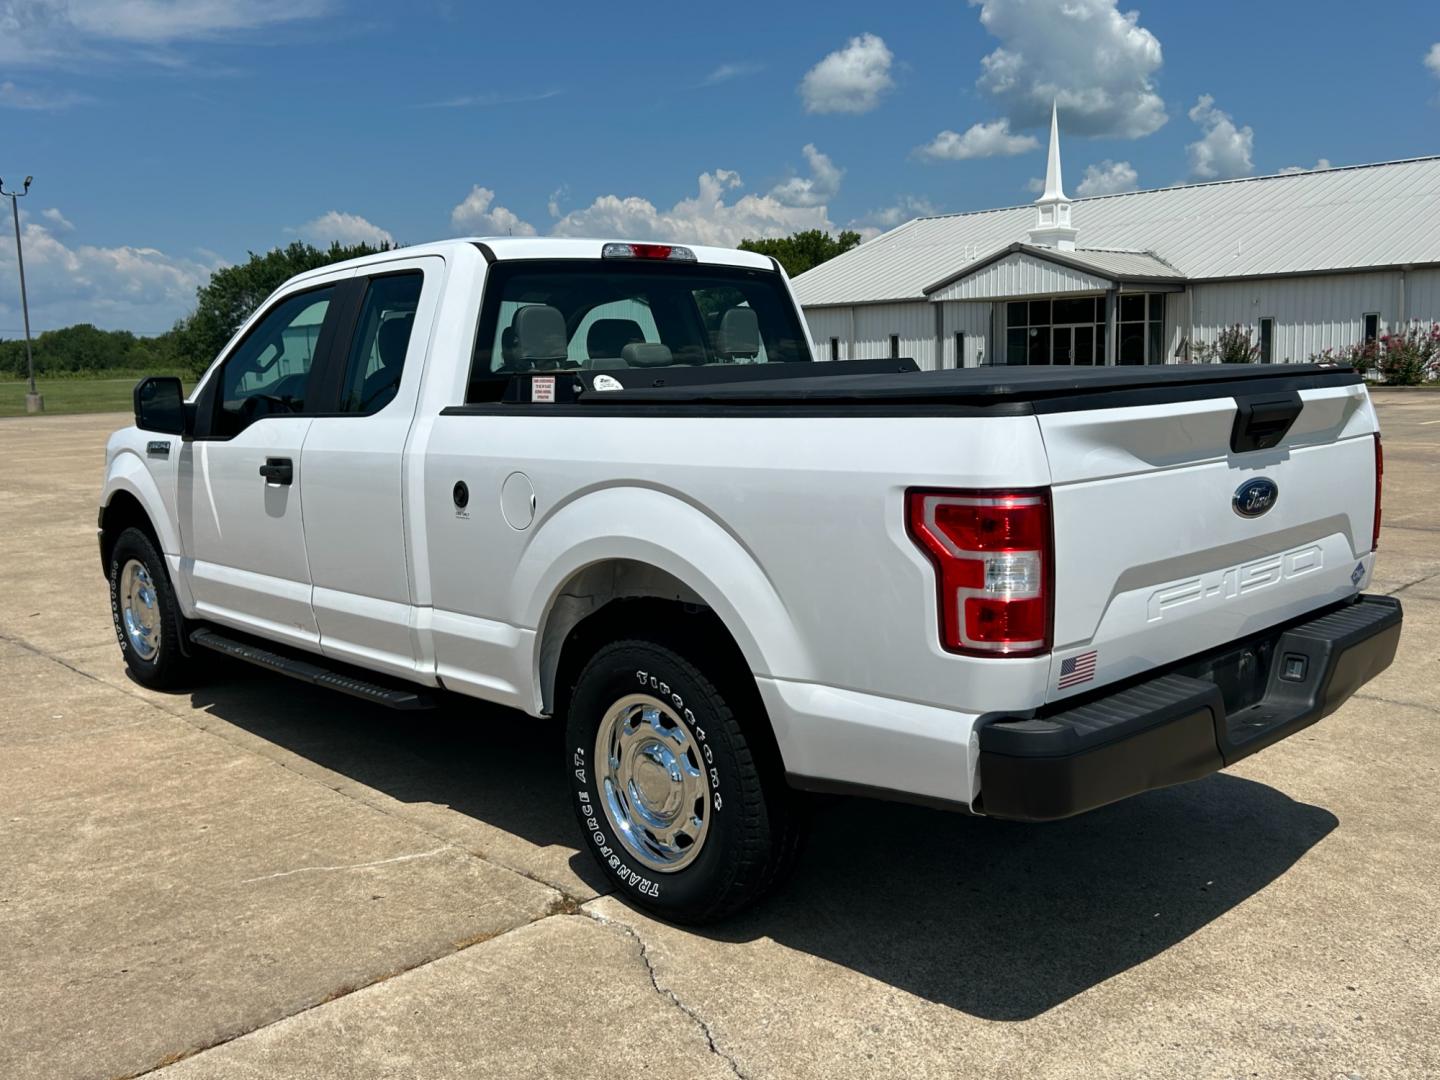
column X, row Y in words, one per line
column 278, row 470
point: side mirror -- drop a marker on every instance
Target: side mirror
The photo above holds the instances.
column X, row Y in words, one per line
column 160, row 405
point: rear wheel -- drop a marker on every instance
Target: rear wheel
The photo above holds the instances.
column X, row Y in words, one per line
column 676, row 794
column 147, row 618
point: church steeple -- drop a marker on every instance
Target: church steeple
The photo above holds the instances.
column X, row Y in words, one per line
column 1052, row 209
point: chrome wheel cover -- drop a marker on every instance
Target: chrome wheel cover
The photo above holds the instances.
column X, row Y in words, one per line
column 139, row 610
column 652, row 782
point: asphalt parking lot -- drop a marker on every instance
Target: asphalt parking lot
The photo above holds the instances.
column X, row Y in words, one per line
column 262, row 879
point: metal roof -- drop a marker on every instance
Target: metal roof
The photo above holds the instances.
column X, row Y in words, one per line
column 1353, row 217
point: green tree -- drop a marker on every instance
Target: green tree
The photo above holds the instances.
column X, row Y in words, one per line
column 803, row 250
column 233, row 292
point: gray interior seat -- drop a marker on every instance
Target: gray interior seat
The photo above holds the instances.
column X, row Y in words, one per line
column 391, row 342
column 606, row 341
column 540, row 338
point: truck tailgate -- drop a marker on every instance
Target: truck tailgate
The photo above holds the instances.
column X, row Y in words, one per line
column 1152, row 560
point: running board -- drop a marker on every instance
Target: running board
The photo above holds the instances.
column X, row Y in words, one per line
column 306, row 671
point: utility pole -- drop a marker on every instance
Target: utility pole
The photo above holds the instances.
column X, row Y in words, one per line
column 34, row 403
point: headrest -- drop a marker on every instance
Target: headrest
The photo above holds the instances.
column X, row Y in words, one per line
column 739, row 333
column 608, row 336
column 393, row 338
column 539, row 334
column 642, row 354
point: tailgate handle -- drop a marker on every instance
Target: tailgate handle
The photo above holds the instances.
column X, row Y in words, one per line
column 1261, row 422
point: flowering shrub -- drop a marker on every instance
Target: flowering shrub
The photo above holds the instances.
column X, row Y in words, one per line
column 1406, row 357
column 1232, row 346
column 1361, row 356
column 1410, row 356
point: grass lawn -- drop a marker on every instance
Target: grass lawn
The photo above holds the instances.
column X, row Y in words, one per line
column 70, row 395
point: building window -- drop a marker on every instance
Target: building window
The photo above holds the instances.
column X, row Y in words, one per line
column 1141, row 329
column 959, row 350
column 1372, row 327
column 894, row 346
column 834, row 348
column 1267, row 341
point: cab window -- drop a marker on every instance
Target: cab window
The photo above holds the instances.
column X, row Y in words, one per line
column 269, row 372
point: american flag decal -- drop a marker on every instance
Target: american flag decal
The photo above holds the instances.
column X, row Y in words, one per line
column 1077, row 669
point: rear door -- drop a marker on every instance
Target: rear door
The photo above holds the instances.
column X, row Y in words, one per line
column 239, row 481
column 1159, row 550
column 354, row 464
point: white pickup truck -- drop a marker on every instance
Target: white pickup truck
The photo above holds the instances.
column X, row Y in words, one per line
column 606, row 482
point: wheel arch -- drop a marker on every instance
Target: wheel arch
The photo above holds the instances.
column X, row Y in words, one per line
column 644, row 544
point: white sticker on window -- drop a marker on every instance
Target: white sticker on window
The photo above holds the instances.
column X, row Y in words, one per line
column 542, row 388
column 608, row 382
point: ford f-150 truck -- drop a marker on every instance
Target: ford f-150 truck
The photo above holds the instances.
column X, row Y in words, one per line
column 607, row 482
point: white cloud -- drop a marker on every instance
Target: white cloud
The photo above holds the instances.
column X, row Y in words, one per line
column 1107, row 178
column 1224, row 150
column 334, row 227
column 15, row 97
column 727, row 72
column 980, row 141
column 64, row 31
column 822, row 185
column 705, row 219
column 55, row 217
column 1098, row 63
column 1322, row 163
column 477, row 216
column 135, row 288
column 906, row 208
column 1432, row 59
column 489, row 99
column 849, row 80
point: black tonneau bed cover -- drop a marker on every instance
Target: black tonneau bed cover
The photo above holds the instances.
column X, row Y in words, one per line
column 985, row 387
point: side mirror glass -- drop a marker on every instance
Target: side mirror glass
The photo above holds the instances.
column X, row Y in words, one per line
column 160, row 405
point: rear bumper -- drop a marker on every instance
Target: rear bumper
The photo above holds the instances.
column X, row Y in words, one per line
column 1187, row 722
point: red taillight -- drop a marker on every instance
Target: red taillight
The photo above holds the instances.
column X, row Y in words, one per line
column 1379, row 477
column 992, row 555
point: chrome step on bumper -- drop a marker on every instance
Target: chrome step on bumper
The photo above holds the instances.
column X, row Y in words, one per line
column 1188, row 721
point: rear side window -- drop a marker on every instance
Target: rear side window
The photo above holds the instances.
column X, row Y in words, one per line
column 582, row 314
column 380, row 342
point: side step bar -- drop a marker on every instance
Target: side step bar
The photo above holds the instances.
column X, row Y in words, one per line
column 391, row 697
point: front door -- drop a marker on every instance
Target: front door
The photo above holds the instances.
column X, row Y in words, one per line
column 239, row 480
column 1073, row 344
column 1061, row 344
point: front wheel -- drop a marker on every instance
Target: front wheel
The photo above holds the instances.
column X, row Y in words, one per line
column 147, row 617
column 677, row 800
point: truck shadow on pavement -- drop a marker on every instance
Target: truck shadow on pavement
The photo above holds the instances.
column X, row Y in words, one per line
column 999, row 920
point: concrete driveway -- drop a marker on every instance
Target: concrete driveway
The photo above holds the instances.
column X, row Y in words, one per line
column 261, row 879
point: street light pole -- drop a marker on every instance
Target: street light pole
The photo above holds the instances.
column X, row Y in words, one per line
column 34, row 403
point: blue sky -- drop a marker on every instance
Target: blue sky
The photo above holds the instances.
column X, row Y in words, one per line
column 171, row 136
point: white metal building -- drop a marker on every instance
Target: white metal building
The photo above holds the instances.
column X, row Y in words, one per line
column 1308, row 260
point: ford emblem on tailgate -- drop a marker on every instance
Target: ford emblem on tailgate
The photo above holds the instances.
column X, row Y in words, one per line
column 1255, row 497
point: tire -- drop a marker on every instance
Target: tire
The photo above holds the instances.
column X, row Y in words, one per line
column 140, row 587
column 666, row 716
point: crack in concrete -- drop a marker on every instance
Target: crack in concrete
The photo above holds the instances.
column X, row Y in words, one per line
column 1393, row 701
column 356, row 866
column 669, row 994
column 1417, row 581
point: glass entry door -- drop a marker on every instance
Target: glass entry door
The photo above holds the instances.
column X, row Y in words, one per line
column 1073, row 344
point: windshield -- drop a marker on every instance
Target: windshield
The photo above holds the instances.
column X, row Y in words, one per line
column 559, row 315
